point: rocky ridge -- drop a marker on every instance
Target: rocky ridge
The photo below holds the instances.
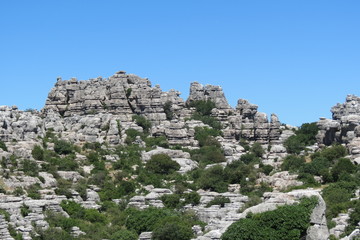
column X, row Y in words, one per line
column 101, row 111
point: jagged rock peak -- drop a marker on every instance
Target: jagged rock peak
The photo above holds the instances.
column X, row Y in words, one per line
column 119, row 94
column 350, row 107
column 208, row 92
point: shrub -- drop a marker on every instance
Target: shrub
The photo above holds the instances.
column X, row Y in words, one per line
column 334, row 152
column 337, row 195
column 3, row 146
column 24, row 210
column 203, row 107
column 267, row 169
column 145, row 221
column 171, row 228
column 38, row 153
column 33, row 191
column 288, row 222
column 142, row 122
column 304, row 136
column 75, row 210
column 218, row 200
column 257, row 149
column 206, row 135
column 66, row 163
column 131, row 135
column 249, row 158
column 171, row 200
column 63, row 188
column 93, row 215
column 63, row 147
column 162, row 164
column 128, row 92
column 124, row 234
column 213, row 179
column 157, row 141
column 168, row 111
column 203, row 113
column 354, row 218
column 343, row 166
column 30, row 168
column 208, row 155
column 192, row 198
column 53, row 233
column 292, row 163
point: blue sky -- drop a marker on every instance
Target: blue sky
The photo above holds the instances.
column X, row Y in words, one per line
column 293, row 58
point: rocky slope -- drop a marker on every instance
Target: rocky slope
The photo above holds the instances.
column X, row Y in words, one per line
column 101, row 111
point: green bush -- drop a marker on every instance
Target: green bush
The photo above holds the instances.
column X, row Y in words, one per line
column 343, row 166
column 203, row 113
column 168, row 111
column 218, row 200
column 131, row 135
column 209, row 120
column 3, row 146
column 337, row 196
column 93, row 215
column 162, row 164
column 304, row 136
column 63, row 147
column 206, row 135
column 92, row 146
column 53, row 233
column 203, row 107
column 266, row 169
column 124, row 234
column 293, row 163
column 33, row 191
column 213, row 179
column 288, row 222
column 66, row 163
column 24, row 210
column 354, row 218
column 30, row 168
column 171, row 200
column 249, row 158
column 257, row 149
column 334, row 152
column 157, row 141
column 208, row 155
column 142, row 122
column 145, row 221
column 38, row 153
column 171, row 228
column 192, row 198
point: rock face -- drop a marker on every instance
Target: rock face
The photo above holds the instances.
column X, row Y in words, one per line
column 344, row 127
column 101, row 109
column 208, row 92
column 121, row 94
column 249, row 124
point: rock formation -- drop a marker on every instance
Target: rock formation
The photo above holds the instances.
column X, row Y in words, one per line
column 344, row 127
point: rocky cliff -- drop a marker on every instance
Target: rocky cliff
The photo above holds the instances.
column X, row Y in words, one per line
column 87, row 146
column 344, row 127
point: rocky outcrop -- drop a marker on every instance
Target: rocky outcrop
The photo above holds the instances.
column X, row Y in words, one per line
column 247, row 123
column 208, row 92
column 344, row 127
column 121, row 94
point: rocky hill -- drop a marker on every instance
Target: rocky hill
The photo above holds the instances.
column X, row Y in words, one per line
column 117, row 158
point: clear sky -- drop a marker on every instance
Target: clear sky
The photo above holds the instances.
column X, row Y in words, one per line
column 294, row 58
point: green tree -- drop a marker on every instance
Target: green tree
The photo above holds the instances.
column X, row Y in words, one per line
column 171, row 228
column 162, row 164
column 3, row 146
column 63, row 147
column 38, row 153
